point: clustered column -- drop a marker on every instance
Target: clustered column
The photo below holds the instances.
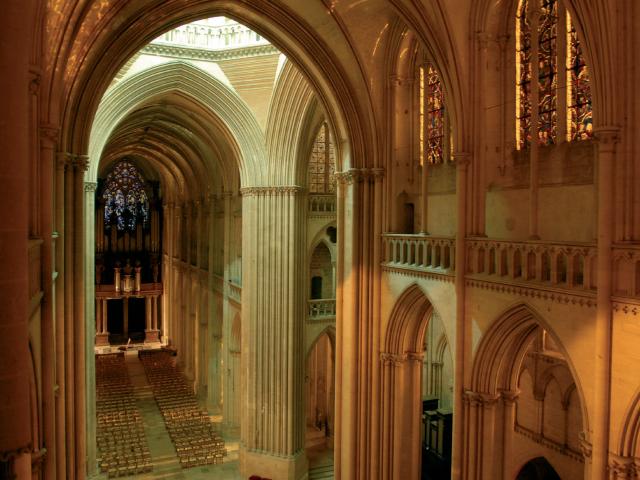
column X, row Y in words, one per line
column 273, row 306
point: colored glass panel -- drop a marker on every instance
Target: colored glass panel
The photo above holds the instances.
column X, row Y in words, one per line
column 125, row 201
column 436, row 120
column 523, row 76
column 579, row 113
column 547, row 72
column 322, row 164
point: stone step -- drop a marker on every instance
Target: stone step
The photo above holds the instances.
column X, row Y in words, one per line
column 321, row 472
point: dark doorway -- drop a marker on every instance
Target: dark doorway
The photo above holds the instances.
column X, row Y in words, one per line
column 538, row 469
column 316, row 288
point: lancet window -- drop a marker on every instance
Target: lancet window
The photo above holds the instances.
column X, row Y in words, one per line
column 552, row 102
column 433, row 130
column 125, row 201
column 322, row 164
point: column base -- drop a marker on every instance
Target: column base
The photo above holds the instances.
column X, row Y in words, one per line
column 274, row 467
column 102, row 339
column 152, row 336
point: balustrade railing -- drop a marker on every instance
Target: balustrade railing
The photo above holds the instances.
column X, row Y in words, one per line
column 213, row 37
column 567, row 265
column 324, row 308
column 419, row 251
column 322, row 204
column 235, row 292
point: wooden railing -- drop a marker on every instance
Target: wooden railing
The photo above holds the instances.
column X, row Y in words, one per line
column 567, row 265
column 322, row 309
column 322, row 204
column 419, row 251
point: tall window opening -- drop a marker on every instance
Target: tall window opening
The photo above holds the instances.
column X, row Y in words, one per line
column 322, row 164
column 545, row 39
column 433, row 131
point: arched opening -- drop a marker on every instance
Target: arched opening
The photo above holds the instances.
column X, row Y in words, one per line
column 537, row 469
column 523, row 385
column 320, row 403
column 410, row 420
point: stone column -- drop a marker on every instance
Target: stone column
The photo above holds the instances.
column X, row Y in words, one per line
column 15, row 433
column 102, row 335
column 60, row 328
column 606, row 138
column 147, row 313
column 273, row 309
column 463, row 340
column 508, row 422
column 228, row 404
column 48, row 142
column 87, row 230
column 214, row 330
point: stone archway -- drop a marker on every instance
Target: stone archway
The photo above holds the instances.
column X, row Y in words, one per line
column 537, row 469
column 401, row 385
column 490, row 404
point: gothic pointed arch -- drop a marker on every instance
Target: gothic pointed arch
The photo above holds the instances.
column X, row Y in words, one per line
column 236, row 120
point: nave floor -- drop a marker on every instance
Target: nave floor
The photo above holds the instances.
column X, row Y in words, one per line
column 165, row 461
column 166, row 465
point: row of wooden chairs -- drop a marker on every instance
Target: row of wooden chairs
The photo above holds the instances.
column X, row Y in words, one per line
column 190, row 427
column 120, row 434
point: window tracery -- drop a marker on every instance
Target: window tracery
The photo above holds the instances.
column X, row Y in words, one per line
column 432, row 117
column 322, row 163
column 125, row 201
column 543, row 29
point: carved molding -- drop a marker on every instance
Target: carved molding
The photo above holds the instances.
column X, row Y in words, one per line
column 271, row 191
column 9, row 455
column 538, row 438
column 414, row 272
column 532, row 292
column 194, row 53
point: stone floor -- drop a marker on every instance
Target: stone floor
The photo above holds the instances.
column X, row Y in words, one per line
column 163, row 454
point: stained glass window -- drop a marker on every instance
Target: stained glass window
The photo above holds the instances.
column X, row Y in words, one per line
column 523, row 76
column 579, row 114
column 322, row 164
column 125, row 201
column 540, row 48
column 436, row 121
column 547, row 72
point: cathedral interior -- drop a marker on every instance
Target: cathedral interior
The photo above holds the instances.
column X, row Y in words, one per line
column 315, row 239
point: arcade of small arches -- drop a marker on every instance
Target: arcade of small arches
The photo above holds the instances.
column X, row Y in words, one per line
column 324, row 241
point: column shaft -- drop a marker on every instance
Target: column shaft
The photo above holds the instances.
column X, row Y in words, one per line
column 272, row 332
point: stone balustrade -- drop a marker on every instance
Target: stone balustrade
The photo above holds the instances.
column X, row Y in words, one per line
column 322, row 204
column 235, row 292
column 419, row 252
column 566, row 265
column 322, row 309
column 213, row 37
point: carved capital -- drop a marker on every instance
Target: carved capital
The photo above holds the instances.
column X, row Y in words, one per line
column 416, row 357
column 34, row 82
column 349, row 177
column 623, row 467
column 462, row 159
column 509, row 396
column 607, row 137
column 64, row 161
column 49, row 135
column 81, row 162
column 9, row 455
column 585, row 445
column 90, row 186
column 392, row 359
